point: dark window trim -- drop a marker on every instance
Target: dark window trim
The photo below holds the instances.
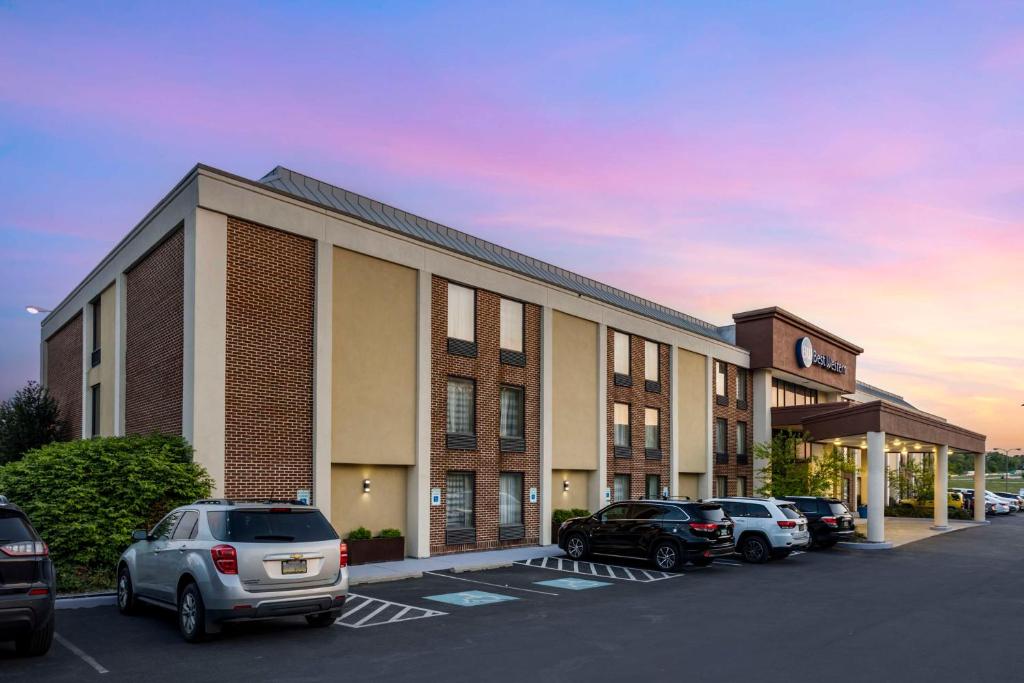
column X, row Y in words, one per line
column 512, row 445
column 652, row 453
column 95, row 403
column 461, row 347
column 652, row 387
column 95, row 358
column 741, row 459
column 722, row 400
column 741, row 404
column 96, row 312
column 511, row 532
column 461, row 442
column 623, row 452
column 621, row 380
column 517, row 358
column 721, row 458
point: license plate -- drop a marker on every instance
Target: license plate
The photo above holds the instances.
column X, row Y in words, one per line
column 293, row 566
column 722, row 531
column 801, row 527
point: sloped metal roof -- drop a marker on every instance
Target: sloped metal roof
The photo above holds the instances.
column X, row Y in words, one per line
column 388, row 217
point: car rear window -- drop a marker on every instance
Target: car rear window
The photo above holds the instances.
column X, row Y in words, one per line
column 789, row 510
column 839, row 508
column 708, row 513
column 14, row 528
column 270, row 525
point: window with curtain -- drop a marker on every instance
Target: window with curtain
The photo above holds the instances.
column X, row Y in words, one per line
column 621, row 416
column 721, row 487
column 510, row 498
column 511, row 413
column 741, row 384
column 461, row 408
column 741, row 438
column 621, row 353
column 721, row 440
column 511, row 325
column 460, row 500
column 652, row 435
column 620, row 487
column 461, row 313
column 720, row 389
column 650, row 361
column 741, row 486
column 653, row 486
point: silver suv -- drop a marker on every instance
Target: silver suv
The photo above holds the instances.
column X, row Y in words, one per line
column 226, row 560
column 765, row 527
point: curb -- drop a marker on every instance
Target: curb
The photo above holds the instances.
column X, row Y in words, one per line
column 869, row 547
column 383, row 579
column 83, row 601
column 482, row 567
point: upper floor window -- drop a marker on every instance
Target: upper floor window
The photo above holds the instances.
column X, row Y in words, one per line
column 621, row 353
column 789, row 394
column 720, row 379
column 511, row 418
column 622, row 432
column 511, row 325
column 97, row 332
column 721, row 440
column 461, row 406
column 652, row 437
column 741, row 438
column 741, row 384
column 650, row 361
column 461, row 313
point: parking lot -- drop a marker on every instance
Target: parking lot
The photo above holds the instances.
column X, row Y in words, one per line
column 941, row 609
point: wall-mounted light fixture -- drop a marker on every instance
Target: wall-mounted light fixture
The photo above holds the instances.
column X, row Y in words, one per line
column 366, row 485
column 565, row 484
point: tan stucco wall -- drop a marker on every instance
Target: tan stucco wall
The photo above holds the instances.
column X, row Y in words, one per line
column 382, row 508
column 693, row 407
column 574, row 394
column 373, row 401
column 576, row 496
column 689, row 486
column 103, row 374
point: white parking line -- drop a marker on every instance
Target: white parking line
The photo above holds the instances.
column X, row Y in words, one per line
column 78, row 653
column 493, row 585
column 382, row 612
column 611, row 571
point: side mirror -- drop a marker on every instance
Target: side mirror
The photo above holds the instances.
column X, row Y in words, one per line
column 140, row 535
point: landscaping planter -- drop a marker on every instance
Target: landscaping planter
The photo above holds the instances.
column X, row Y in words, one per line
column 376, row 550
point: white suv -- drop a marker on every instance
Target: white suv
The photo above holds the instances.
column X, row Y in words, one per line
column 765, row 527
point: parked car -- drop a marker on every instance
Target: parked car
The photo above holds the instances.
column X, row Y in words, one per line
column 828, row 520
column 667, row 532
column 954, row 501
column 1001, row 506
column 968, row 495
column 27, row 584
column 765, row 527
column 227, row 560
column 1012, row 498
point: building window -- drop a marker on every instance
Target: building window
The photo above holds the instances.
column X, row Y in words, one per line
column 511, row 422
column 653, row 486
column 460, row 518
column 741, row 443
column 94, row 411
column 721, row 487
column 511, row 325
column 461, row 313
column 721, row 440
column 741, row 388
column 620, row 489
column 510, row 498
column 461, row 413
column 741, row 486
column 785, row 394
column 621, row 434
column 720, row 379
column 652, row 433
column 97, row 333
column 620, row 357
column 651, row 361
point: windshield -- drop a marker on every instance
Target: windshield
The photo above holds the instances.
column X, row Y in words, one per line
column 14, row 528
column 790, row 511
column 270, row 525
column 839, row 508
column 709, row 513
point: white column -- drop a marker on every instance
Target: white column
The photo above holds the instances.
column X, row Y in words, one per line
column 707, row 485
column 546, row 387
column 673, row 435
column 600, row 483
column 979, row 487
column 120, row 325
column 876, row 487
column 206, row 254
column 323, row 376
column 941, row 488
column 418, row 483
column 762, row 420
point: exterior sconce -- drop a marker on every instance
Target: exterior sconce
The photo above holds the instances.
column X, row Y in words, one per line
column 366, row 485
column 565, row 484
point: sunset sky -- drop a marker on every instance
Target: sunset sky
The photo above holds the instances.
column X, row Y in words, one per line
column 860, row 164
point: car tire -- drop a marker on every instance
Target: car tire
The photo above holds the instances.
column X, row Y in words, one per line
column 191, row 614
column 38, row 642
column 755, row 550
column 811, row 544
column 323, row 619
column 667, row 557
column 127, row 603
column 576, row 546
column 828, row 544
column 703, row 562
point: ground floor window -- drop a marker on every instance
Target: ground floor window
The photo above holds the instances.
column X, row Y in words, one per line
column 460, row 500
column 621, row 487
column 721, row 487
column 653, row 486
column 741, row 486
column 510, row 498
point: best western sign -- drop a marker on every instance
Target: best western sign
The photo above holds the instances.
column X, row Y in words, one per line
column 806, row 356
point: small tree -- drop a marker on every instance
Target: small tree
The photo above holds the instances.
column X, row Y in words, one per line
column 912, row 480
column 28, row 420
column 827, row 472
column 782, row 474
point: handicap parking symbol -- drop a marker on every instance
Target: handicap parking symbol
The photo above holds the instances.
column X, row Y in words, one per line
column 573, row 584
column 470, row 598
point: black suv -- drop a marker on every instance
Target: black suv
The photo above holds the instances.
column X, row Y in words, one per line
column 27, row 584
column 667, row 532
column 828, row 519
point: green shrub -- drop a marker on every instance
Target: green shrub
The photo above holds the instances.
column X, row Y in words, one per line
column 86, row 497
column 360, row 534
column 390, row 533
column 924, row 512
column 561, row 515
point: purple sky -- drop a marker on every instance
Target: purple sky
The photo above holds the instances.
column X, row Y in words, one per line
column 861, row 164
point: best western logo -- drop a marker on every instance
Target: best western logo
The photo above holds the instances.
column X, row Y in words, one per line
column 806, row 356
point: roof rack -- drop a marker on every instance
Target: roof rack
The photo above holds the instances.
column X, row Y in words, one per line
column 264, row 501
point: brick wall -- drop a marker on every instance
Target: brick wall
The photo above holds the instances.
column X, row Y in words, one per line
column 638, row 465
column 154, row 338
column 64, row 375
column 487, row 462
column 733, row 414
column 268, row 401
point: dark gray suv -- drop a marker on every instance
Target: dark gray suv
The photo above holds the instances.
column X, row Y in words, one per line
column 27, row 584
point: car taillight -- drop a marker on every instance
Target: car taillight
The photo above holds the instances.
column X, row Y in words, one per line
column 25, row 549
column 787, row 523
column 831, row 521
column 344, row 554
column 703, row 526
column 39, row 591
column 225, row 559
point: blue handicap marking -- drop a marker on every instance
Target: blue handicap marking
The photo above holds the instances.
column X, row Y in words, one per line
column 573, row 584
column 470, row 598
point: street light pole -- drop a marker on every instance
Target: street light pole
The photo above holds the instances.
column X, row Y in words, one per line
column 1006, row 452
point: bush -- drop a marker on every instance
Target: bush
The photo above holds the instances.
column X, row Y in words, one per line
column 86, row 497
column 561, row 515
column 360, row 534
column 924, row 512
column 390, row 533
column 28, row 420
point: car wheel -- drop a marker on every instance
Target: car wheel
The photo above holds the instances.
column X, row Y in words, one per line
column 576, row 546
column 323, row 619
column 36, row 643
column 755, row 549
column 191, row 614
column 667, row 556
column 126, row 602
column 810, row 543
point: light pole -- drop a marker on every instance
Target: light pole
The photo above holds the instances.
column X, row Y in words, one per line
column 1006, row 452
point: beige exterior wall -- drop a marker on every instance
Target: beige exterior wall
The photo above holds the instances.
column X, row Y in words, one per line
column 382, row 508
column 693, row 412
column 689, row 486
column 374, row 361
column 574, row 395
column 103, row 373
column 576, row 496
